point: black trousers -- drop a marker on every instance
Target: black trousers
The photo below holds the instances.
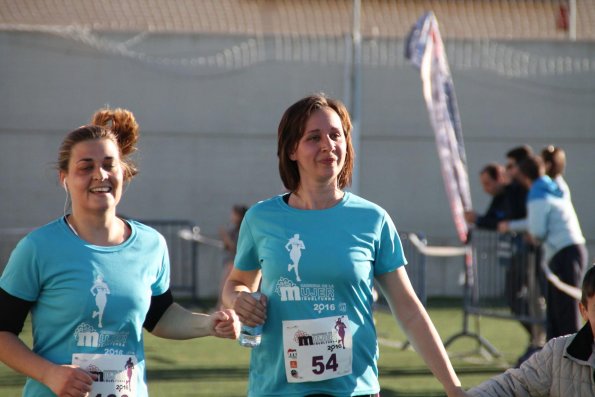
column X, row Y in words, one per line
column 563, row 316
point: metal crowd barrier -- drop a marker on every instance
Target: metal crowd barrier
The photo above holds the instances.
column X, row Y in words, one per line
column 416, row 267
column 507, row 278
column 183, row 255
column 503, row 279
column 416, row 264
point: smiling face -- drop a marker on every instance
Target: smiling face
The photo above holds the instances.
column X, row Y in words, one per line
column 320, row 152
column 95, row 176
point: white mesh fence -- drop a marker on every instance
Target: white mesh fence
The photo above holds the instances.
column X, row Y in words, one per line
column 502, row 58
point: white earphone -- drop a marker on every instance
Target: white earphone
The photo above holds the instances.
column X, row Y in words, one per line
column 64, row 184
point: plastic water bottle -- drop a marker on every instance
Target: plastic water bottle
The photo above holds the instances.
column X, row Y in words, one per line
column 250, row 336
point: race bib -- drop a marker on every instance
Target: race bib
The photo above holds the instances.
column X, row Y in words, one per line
column 317, row 349
column 116, row 375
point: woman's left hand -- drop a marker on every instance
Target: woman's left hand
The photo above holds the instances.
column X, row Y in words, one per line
column 225, row 324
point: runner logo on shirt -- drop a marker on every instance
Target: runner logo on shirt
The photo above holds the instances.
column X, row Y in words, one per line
column 100, row 290
column 92, row 334
column 295, row 246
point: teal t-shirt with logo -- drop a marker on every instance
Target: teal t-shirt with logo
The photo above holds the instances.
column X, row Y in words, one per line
column 88, row 299
column 317, row 264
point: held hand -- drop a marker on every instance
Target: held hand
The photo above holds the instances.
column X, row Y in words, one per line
column 470, row 216
column 251, row 312
column 225, row 324
column 69, row 381
column 503, row 227
column 458, row 392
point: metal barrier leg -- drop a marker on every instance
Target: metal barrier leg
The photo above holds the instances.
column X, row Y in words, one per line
column 465, row 332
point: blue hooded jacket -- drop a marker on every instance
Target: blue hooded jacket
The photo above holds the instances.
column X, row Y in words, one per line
column 551, row 217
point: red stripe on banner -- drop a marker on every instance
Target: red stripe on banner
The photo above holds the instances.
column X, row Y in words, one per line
column 425, row 49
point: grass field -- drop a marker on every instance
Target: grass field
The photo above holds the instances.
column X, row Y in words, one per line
column 219, row 368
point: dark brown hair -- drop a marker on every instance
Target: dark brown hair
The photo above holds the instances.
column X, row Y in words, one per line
column 519, row 153
column 588, row 288
column 493, row 170
column 532, row 167
column 291, row 129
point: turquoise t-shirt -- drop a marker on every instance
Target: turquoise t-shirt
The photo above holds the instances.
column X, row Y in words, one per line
column 317, row 264
column 88, row 299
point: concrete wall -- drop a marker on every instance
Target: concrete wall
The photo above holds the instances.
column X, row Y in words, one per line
column 208, row 139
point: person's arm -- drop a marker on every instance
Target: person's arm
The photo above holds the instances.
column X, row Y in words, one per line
column 63, row 380
column 518, row 225
column 537, row 220
column 180, row 323
column 236, row 295
column 470, row 217
column 532, row 379
column 418, row 326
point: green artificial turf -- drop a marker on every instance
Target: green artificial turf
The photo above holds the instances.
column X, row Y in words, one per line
column 215, row 367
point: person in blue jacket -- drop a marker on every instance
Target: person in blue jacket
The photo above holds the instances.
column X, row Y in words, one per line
column 551, row 219
column 92, row 280
column 316, row 252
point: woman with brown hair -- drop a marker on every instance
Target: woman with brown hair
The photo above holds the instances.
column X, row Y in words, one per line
column 316, row 252
column 93, row 280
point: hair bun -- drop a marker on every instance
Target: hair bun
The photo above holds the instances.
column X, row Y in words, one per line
column 123, row 125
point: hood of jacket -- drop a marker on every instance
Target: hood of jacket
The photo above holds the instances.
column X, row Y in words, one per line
column 544, row 187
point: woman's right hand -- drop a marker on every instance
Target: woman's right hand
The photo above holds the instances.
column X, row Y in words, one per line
column 251, row 312
column 69, row 381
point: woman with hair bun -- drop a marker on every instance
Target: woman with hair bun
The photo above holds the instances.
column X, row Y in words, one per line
column 93, row 280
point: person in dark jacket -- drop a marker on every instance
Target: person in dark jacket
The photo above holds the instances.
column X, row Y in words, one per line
column 493, row 181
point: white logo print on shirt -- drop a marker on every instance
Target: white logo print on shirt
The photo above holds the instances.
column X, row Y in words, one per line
column 295, row 247
column 100, row 291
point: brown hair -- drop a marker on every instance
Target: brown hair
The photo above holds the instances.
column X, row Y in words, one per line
column 519, row 153
column 291, row 129
column 493, row 170
column 532, row 167
column 117, row 125
column 556, row 158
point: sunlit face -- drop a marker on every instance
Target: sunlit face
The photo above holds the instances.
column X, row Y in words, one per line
column 320, row 153
column 95, row 176
column 588, row 313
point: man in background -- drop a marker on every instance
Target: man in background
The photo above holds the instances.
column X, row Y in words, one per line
column 493, row 181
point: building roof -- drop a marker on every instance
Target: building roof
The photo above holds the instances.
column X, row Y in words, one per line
column 466, row 19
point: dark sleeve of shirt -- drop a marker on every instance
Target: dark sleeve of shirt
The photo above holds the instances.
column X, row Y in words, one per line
column 496, row 212
column 516, row 201
column 159, row 304
column 13, row 312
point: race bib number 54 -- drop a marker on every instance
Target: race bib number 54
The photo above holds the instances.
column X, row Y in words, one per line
column 317, row 349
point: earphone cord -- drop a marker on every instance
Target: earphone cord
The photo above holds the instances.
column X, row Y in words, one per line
column 66, row 204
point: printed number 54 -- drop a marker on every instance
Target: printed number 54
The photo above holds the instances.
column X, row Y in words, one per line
column 318, row 366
